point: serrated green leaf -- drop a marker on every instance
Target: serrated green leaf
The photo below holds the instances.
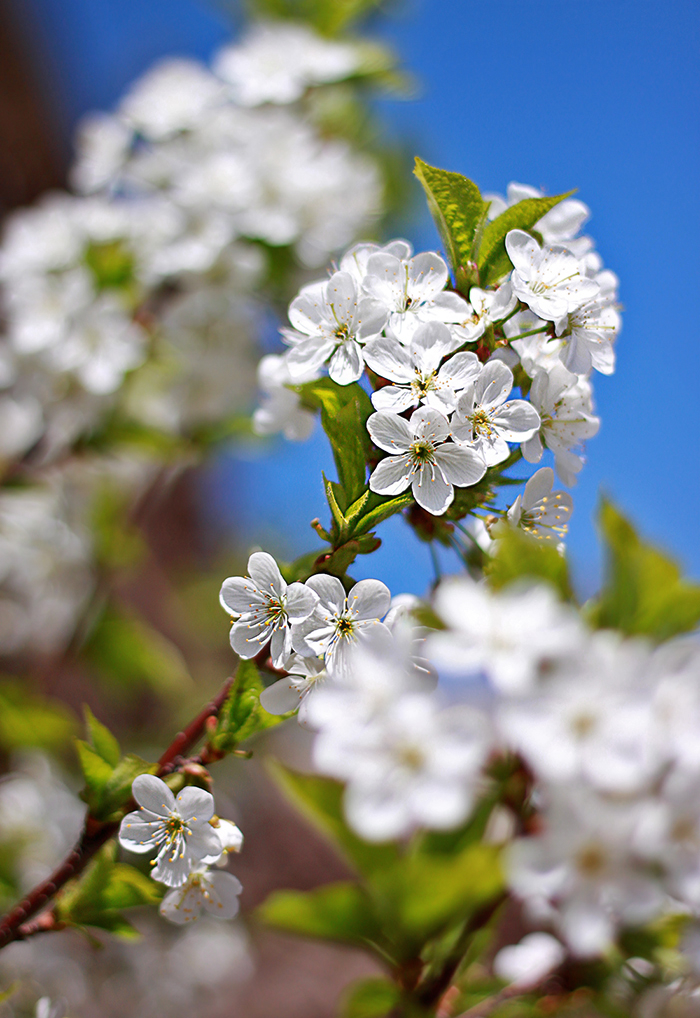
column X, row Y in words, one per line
column 644, row 592
column 493, row 259
column 242, row 715
column 96, row 771
column 341, row 912
column 103, row 742
column 459, row 212
column 344, row 413
column 117, row 791
column 385, row 508
column 320, row 799
column 519, row 556
column 370, row 998
column 102, row 890
column 336, row 512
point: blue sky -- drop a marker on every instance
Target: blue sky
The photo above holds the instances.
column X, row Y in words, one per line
column 602, row 96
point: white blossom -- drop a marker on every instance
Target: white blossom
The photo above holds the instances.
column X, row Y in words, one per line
column 178, row 827
column 331, row 320
column 339, row 621
column 277, row 61
column 417, row 369
column 510, row 635
column 214, row 893
column 539, row 510
column 265, row 608
column 412, row 291
column 549, row 280
column 426, row 460
column 564, row 403
column 485, row 421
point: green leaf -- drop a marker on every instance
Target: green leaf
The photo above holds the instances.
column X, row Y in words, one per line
column 341, row 912
column 108, row 789
column 96, row 772
column 385, row 508
column 344, row 413
column 370, row 998
column 519, row 556
column 459, row 212
column 27, row 719
column 320, row 799
column 106, row 887
column 427, row 893
column 116, row 793
column 644, row 592
column 102, row 740
column 493, row 258
column 336, row 511
column 242, row 714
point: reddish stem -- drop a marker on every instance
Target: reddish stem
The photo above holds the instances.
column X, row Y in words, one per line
column 15, row 925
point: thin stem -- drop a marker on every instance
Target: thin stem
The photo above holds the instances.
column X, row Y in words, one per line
column 435, row 986
column 436, row 563
column 15, row 925
column 532, row 332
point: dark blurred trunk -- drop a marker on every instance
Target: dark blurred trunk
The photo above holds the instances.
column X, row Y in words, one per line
column 31, row 160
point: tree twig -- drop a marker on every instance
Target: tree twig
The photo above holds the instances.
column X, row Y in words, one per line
column 15, row 925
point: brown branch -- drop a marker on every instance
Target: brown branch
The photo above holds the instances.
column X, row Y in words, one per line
column 15, row 925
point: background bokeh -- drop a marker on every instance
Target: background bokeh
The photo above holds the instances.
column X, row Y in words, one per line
column 602, row 96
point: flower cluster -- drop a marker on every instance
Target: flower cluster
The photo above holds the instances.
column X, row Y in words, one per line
column 188, row 839
column 130, row 306
column 391, row 314
column 605, row 728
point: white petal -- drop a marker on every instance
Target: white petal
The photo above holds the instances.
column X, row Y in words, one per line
column 281, row 697
column 432, row 491
column 460, row 465
column 195, row 804
column 137, row 833
column 222, row 899
column 391, row 476
column 389, row 359
column 369, row 599
column 153, row 794
column 301, row 601
column 346, row 364
column 330, row 590
column 389, row 432
column 429, row 424
column 264, row 570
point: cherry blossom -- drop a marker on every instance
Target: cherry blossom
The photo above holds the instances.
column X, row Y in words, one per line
column 485, row 421
column 265, row 608
column 330, row 322
column 426, row 460
column 539, row 510
column 417, row 370
column 412, row 291
column 215, row 893
column 549, row 280
column 339, row 621
column 178, row 828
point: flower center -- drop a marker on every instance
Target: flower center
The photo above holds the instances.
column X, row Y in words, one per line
column 421, row 451
column 481, row 422
column 423, row 384
column 175, row 826
column 344, row 626
column 591, row 860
